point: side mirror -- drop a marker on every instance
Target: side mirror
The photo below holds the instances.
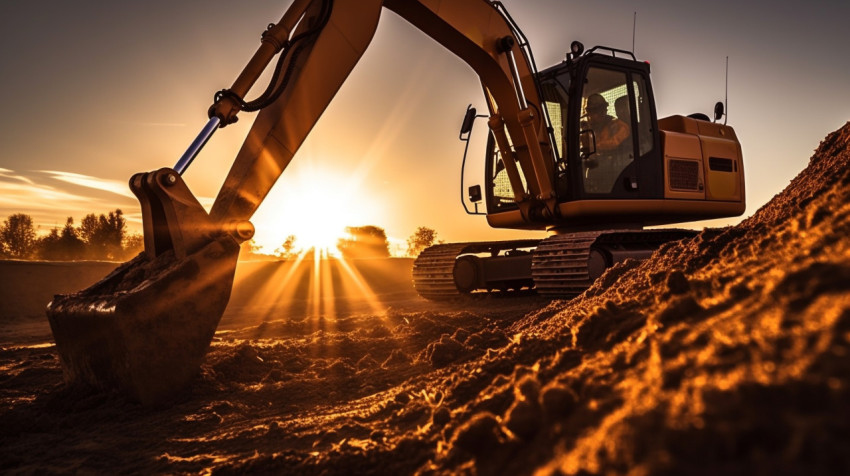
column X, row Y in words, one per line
column 718, row 111
column 475, row 193
column 468, row 119
column 576, row 49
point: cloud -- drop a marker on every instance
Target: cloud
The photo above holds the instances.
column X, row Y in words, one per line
column 22, row 194
column 206, row 202
column 107, row 185
column 49, row 200
column 33, row 193
column 44, row 195
column 133, row 216
column 10, row 174
column 114, row 186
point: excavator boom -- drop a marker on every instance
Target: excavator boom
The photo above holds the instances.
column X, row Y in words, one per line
column 475, row 30
column 146, row 327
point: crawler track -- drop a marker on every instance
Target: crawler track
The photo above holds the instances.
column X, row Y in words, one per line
column 559, row 266
column 566, row 265
column 434, row 269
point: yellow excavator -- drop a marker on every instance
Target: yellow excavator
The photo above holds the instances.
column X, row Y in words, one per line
column 575, row 149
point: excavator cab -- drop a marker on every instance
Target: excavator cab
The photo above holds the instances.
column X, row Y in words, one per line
column 625, row 164
column 610, row 164
column 590, row 164
column 615, row 169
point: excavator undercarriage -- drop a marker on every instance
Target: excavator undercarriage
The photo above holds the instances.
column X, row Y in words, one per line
column 558, row 266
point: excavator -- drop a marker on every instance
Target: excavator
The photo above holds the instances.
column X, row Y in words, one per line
column 575, row 149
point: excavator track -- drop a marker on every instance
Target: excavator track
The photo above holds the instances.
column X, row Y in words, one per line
column 449, row 271
column 566, row 265
column 433, row 271
column 559, row 266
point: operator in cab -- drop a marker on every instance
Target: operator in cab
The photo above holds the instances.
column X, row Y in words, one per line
column 610, row 131
column 611, row 154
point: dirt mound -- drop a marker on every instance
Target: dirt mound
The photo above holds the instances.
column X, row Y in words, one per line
column 724, row 352
column 727, row 352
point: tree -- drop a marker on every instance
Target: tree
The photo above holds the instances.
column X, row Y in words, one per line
column 88, row 228
column 249, row 250
column 47, row 247
column 133, row 245
column 364, row 242
column 17, row 236
column 98, row 237
column 104, row 235
column 62, row 246
column 287, row 249
column 422, row 238
column 72, row 247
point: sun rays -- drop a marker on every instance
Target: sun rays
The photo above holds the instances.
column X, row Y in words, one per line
column 315, row 203
column 312, row 288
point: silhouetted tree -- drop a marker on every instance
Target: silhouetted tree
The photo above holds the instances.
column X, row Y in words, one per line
column 249, row 250
column 287, row 249
column 103, row 235
column 47, row 247
column 364, row 242
column 70, row 243
column 422, row 238
column 97, row 237
column 62, row 246
column 17, row 236
column 133, row 245
column 88, row 228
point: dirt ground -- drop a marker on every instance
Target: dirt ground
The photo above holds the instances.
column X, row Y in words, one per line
column 725, row 353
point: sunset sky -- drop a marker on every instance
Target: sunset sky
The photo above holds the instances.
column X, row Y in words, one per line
column 95, row 91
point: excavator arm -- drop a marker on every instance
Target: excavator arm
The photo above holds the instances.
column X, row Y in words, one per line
column 146, row 327
column 333, row 35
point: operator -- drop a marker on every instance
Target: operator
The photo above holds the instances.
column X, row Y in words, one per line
column 610, row 132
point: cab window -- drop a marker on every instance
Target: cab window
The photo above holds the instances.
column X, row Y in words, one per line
column 605, row 131
column 644, row 121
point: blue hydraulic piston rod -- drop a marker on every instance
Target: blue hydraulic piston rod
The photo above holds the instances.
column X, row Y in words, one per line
column 197, row 145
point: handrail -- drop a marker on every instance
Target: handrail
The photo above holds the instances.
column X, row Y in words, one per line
column 613, row 51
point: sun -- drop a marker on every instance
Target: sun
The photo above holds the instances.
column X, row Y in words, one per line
column 315, row 204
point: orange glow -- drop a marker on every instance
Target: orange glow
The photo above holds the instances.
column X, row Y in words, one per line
column 356, row 279
column 315, row 204
column 319, row 288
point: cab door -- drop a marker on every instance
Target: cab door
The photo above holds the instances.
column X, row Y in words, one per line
column 617, row 155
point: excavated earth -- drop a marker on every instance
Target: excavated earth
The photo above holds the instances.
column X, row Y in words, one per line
column 725, row 353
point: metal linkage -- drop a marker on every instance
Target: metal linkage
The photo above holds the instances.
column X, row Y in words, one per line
column 197, row 145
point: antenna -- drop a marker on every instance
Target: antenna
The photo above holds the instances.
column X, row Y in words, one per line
column 726, row 94
column 720, row 107
column 634, row 27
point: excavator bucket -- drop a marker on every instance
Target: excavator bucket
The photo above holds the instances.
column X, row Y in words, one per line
column 145, row 328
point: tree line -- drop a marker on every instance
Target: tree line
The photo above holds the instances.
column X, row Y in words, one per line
column 104, row 237
column 360, row 242
column 98, row 237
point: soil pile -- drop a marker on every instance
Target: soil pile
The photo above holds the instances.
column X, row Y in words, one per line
column 727, row 352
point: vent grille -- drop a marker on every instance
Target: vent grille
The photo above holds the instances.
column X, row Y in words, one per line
column 720, row 164
column 684, row 174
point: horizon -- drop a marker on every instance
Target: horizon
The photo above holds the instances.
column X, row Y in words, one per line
column 111, row 99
